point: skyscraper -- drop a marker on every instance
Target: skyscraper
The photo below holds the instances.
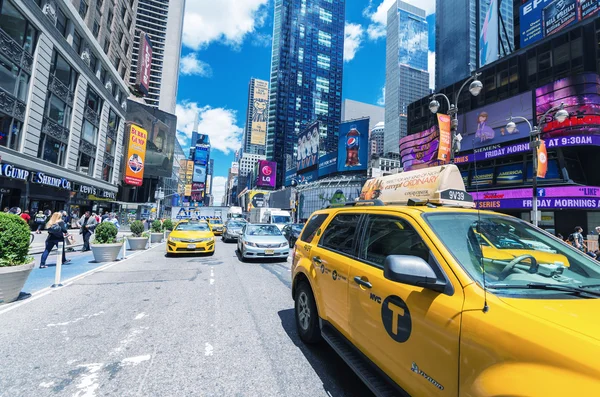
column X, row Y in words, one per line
column 306, row 75
column 255, row 130
column 406, row 76
column 162, row 20
column 456, row 37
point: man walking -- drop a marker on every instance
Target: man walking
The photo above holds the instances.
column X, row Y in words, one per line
column 576, row 239
column 87, row 224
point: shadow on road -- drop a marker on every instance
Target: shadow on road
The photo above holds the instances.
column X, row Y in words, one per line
column 338, row 379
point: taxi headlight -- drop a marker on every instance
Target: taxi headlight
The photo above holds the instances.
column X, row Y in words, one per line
column 175, row 239
column 203, row 240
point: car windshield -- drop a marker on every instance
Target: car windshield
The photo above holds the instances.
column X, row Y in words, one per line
column 297, row 227
column 235, row 225
column 262, row 230
column 514, row 254
column 193, row 227
column 281, row 219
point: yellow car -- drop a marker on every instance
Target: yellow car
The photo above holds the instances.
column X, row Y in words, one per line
column 191, row 237
column 407, row 297
column 216, row 225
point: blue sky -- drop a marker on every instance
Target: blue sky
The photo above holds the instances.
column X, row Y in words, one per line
column 225, row 45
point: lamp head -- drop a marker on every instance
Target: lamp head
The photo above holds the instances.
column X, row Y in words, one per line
column 434, row 106
column 511, row 126
column 561, row 115
column 475, row 87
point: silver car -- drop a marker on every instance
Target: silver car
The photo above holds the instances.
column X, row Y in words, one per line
column 233, row 229
column 262, row 241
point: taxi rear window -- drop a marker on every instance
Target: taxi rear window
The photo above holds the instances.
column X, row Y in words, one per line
column 312, row 226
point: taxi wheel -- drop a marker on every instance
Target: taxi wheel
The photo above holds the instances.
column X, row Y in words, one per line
column 307, row 318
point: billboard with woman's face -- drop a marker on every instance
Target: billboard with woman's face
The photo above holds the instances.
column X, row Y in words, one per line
column 308, row 147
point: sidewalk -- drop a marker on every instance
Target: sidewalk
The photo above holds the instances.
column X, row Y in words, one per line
column 39, row 240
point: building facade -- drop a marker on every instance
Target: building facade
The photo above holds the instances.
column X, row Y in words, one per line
column 306, row 75
column 352, row 110
column 255, row 134
column 248, row 161
column 377, row 139
column 162, row 20
column 406, row 76
column 63, row 108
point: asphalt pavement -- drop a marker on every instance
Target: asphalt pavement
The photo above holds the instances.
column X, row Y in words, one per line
column 156, row 326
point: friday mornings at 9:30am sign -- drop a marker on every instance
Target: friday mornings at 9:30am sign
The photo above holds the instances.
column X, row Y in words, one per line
column 136, row 154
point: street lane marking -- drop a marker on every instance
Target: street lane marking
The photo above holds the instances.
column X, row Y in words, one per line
column 89, row 382
column 136, row 360
column 46, row 384
column 76, row 320
column 140, row 316
column 208, row 349
column 212, row 281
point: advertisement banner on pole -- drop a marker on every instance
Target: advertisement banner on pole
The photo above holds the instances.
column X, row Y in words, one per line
column 308, row 147
column 353, row 148
column 260, row 103
column 542, row 159
column 136, row 152
column 488, row 38
column 445, row 137
column 142, row 78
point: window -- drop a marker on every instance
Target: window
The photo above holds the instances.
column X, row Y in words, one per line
column 322, row 84
column 62, row 71
column 83, row 9
column 325, row 15
column 302, row 30
column 387, row 235
column 93, row 100
column 17, row 26
column 117, row 63
column 10, row 131
column 126, row 49
column 106, row 45
column 123, row 12
column 99, row 4
column 323, row 62
column 107, row 172
column 102, row 74
column 93, row 62
column 110, row 146
column 12, row 79
column 109, row 19
column 58, row 111
column 61, row 22
column 85, row 164
column 89, row 132
column 340, row 234
column 321, row 107
column 311, row 228
column 77, row 42
column 52, row 150
column 129, row 24
column 96, row 29
column 120, row 37
column 301, row 55
column 324, row 39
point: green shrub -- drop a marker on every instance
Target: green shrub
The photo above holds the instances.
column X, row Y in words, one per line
column 137, row 228
column 156, row 226
column 168, row 224
column 106, row 233
column 14, row 240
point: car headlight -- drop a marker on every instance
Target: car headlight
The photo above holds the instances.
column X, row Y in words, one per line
column 203, row 240
column 250, row 243
column 284, row 244
column 175, row 239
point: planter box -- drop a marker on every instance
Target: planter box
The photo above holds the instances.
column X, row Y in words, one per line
column 137, row 243
column 12, row 280
column 167, row 233
column 106, row 252
column 156, row 238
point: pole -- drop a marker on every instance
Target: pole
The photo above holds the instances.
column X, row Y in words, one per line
column 124, row 247
column 453, row 129
column 534, row 146
column 57, row 274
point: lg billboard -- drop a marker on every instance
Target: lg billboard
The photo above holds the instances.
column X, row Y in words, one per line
column 267, row 173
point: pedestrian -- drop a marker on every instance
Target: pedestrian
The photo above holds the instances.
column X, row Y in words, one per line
column 15, row 211
column 560, row 236
column 113, row 219
column 87, row 223
column 57, row 229
column 66, row 218
column 145, row 224
column 40, row 219
column 104, row 216
column 576, row 239
column 25, row 216
column 6, row 209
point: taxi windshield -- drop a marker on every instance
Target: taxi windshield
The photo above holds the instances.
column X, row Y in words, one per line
column 193, row 227
column 216, row 222
column 519, row 259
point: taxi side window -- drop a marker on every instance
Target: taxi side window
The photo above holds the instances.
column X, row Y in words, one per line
column 311, row 228
column 387, row 235
column 340, row 234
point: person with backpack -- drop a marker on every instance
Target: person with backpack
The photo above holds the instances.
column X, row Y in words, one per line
column 576, row 239
column 87, row 224
column 40, row 219
column 57, row 229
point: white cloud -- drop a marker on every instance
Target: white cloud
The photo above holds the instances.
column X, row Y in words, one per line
column 353, row 34
column 431, row 68
column 261, row 40
column 381, row 99
column 226, row 21
column 378, row 14
column 191, row 65
column 218, row 123
column 218, row 189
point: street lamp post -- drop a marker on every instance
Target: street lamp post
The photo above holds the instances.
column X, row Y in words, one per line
column 158, row 196
column 534, row 142
column 474, row 88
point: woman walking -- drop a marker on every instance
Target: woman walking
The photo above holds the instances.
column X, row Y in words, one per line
column 40, row 219
column 56, row 234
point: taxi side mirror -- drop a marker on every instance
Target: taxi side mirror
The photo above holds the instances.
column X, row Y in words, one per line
column 412, row 270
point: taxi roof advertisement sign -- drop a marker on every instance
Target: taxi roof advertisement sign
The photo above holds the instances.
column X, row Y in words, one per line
column 353, row 145
column 136, row 153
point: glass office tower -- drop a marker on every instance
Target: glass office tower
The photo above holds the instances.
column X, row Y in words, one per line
column 306, row 76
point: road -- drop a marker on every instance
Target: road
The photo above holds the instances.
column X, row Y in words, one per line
column 157, row 326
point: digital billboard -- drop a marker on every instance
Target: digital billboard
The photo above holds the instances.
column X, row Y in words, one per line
column 488, row 38
column 136, row 154
column 142, row 78
column 509, row 174
column 581, row 96
column 257, row 199
column 307, row 153
column 486, row 125
column 353, row 145
column 328, row 164
column 542, row 18
column 290, row 175
column 483, row 177
column 260, row 104
column 201, row 154
column 420, row 149
column 199, row 174
column 267, row 173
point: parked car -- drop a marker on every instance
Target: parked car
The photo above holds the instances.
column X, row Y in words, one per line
column 292, row 231
column 262, row 241
column 233, row 229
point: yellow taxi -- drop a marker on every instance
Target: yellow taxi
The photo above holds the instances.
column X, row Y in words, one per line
column 190, row 236
column 404, row 289
column 216, row 224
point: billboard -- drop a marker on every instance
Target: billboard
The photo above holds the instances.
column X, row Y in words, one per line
column 136, row 155
column 488, row 38
column 142, row 78
column 509, row 174
column 542, row 18
column 290, row 175
column 581, row 96
column 445, row 137
column 486, row 126
column 197, row 191
column 307, row 153
column 328, row 164
column 201, row 154
column 257, row 199
column 267, row 172
column 353, row 145
column 420, row 150
column 199, row 174
column 260, row 104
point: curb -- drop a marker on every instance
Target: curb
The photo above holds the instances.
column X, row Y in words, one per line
column 48, row 290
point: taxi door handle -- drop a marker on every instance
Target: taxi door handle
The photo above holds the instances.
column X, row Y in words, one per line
column 362, row 282
column 317, row 259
